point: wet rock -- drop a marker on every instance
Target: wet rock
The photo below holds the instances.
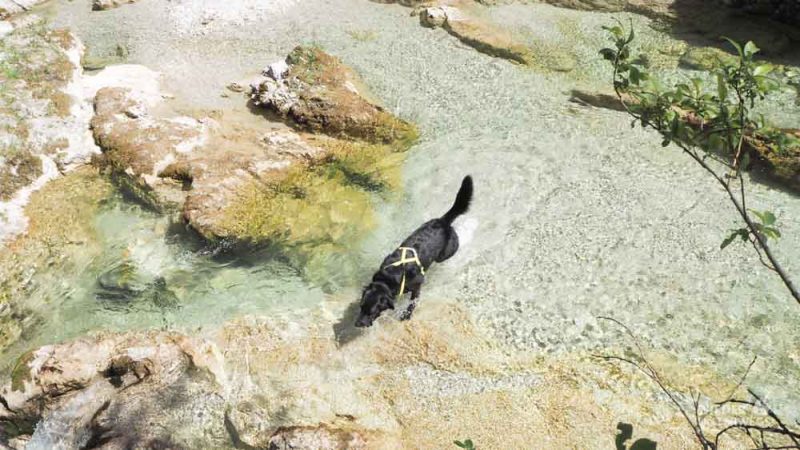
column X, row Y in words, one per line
column 94, row 61
column 9, row 8
column 774, row 154
column 42, row 115
column 121, row 281
column 435, row 16
column 138, row 147
column 102, row 5
column 234, row 183
column 235, row 87
column 320, row 94
column 464, row 20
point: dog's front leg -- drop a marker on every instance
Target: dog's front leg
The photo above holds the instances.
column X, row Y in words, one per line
column 413, row 304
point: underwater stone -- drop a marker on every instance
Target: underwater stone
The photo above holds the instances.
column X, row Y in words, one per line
column 102, row 5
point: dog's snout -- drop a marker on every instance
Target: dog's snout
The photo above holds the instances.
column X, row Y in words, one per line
column 362, row 322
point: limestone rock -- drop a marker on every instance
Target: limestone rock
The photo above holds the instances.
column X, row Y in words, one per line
column 43, row 117
column 276, row 70
column 137, row 147
column 320, row 94
column 320, row 438
column 104, row 389
column 102, row 5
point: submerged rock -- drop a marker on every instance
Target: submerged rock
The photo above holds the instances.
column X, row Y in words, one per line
column 318, row 93
column 101, row 5
column 774, row 154
column 704, row 58
column 9, row 8
column 464, row 20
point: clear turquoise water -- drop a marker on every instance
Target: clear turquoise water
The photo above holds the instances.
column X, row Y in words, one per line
column 575, row 215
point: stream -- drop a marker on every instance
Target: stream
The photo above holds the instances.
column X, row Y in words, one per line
column 575, row 215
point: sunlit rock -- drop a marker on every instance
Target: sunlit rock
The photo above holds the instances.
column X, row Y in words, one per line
column 320, row 94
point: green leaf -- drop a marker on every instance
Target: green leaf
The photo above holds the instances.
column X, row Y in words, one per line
column 769, row 218
column 715, row 142
column 460, row 444
column 636, row 75
column 736, row 46
column 728, row 240
column 665, row 142
column 615, row 30
column 772, row 232
column 758, row 214
column 608, row 54
column 750, row 49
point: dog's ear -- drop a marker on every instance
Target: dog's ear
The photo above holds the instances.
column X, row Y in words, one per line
column 390, row 302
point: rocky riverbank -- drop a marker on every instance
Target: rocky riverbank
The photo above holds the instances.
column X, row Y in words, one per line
column 280, row 383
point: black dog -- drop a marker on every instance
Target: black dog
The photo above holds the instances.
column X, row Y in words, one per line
column 404, row 269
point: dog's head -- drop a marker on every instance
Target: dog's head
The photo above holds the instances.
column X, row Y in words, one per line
column 375, row 299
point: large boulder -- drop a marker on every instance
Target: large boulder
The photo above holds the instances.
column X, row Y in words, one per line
column 104, row 392
column 240, row 181
column 318, row 93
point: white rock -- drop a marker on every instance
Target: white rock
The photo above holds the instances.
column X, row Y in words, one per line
column 276, row 70
column 436, row 16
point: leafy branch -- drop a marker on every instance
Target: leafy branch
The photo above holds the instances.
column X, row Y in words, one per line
column 707, row 124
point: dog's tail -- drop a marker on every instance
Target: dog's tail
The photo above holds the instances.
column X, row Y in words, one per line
column 461, row 205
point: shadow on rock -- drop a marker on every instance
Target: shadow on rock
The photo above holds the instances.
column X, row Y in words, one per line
column 345, row 330
column 625, row 434
column 704, row 23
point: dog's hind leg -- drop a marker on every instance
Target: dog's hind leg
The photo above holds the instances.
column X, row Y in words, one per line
column 413, row 304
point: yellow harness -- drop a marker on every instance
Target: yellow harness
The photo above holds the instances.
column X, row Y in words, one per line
column 402, row 261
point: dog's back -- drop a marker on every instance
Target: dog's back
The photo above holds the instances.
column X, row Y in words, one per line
column 436, row 240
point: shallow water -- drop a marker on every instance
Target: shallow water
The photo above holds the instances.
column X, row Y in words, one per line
column 577, row 215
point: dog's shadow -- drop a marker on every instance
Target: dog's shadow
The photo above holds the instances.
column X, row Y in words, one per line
column 345, row 330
